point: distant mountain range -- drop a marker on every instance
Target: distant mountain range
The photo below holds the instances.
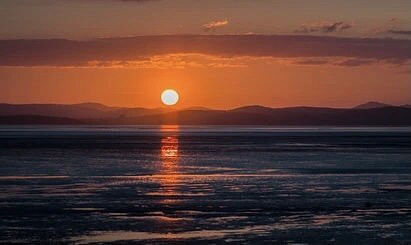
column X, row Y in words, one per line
column 368, row 114
column 371, row 105
column 375, row 104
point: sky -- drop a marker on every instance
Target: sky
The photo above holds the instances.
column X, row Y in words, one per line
column 215, row 53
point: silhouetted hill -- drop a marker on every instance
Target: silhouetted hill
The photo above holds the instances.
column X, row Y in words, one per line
column 90, row 113
column 197, row 108
column 371, row 105
column 253, row 109
column 75, row 111
column 297, row 116
column 95, row 106
column 134, row 112
column 32, row 119
column 52, row 110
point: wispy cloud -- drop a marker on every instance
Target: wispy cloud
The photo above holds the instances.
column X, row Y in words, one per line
column 194, row 60
column 348, row 62
column 355, row 62
column 175, row 61
column 400, row 32
column 311, row 61
column 214, row 25
column 324, row 27
column 392, row 27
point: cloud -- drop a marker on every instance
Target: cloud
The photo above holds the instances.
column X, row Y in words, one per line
column 69, row 53
column 400, row 32
column 392, row 27
column 214, row 25
column 324, row 27
column 356, row 62
column 195, row 60
column 312, row 61
column 175, row 61
column 349, row 62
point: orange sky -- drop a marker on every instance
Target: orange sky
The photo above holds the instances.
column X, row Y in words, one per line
column 219, row 54
column 258, row 82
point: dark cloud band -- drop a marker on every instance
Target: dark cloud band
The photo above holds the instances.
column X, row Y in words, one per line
column 326, row 27
column 400, row 32
column 60, row 52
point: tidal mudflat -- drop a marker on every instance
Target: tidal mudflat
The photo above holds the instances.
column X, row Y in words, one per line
column 205, row 184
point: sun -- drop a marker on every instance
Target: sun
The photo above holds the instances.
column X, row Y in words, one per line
column 169, row 97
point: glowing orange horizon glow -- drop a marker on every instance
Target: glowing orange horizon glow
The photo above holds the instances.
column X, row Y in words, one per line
column 269, row 84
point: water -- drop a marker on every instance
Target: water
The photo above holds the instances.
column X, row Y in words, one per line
column 205, row 185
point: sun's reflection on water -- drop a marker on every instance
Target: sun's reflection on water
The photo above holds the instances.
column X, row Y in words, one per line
column 169, row 155
column 169, row 151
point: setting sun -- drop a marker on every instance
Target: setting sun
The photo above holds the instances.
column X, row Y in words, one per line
column 169, row 97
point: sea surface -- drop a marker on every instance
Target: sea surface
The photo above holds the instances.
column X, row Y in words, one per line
column 202, row 185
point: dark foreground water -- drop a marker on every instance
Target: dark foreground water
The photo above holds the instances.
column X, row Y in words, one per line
column 201, row 185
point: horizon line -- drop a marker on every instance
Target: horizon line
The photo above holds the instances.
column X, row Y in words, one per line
column 179, row 108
